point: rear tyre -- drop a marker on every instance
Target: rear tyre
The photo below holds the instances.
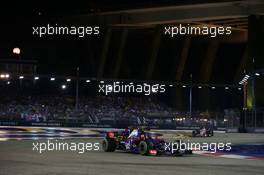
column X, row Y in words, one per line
column 188, row 152
column 109, row 145
column 143, row 148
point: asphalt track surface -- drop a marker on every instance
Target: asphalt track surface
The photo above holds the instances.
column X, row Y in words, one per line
column 17, row 157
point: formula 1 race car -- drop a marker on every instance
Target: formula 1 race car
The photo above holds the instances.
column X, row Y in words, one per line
column 141, row 142
column 203, row 132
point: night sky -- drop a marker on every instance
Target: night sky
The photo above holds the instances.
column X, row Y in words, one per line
column 62, row 55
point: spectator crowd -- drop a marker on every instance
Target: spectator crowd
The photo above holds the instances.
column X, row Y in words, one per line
column 93, row 110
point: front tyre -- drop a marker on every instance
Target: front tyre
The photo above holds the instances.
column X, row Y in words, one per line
column 212, row 133
column 109, row 145
column 177, row 150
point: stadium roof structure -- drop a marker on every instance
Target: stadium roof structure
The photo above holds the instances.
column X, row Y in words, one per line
column 232, row 13
column 126, row 24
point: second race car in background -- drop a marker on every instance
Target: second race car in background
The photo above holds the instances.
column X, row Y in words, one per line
column 203, row 132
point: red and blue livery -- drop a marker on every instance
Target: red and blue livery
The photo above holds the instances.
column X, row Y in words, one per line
column 139, row 141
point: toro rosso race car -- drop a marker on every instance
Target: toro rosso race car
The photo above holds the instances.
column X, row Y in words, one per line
column 141, row 142
column 203, row 132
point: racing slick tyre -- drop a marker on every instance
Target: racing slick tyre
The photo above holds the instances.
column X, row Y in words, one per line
column 144, row 148
column 109, row 145
column 211, row 133
column 188, row 151
column 176, row 147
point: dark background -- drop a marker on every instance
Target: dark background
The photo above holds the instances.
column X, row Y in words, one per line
column 61, row 55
